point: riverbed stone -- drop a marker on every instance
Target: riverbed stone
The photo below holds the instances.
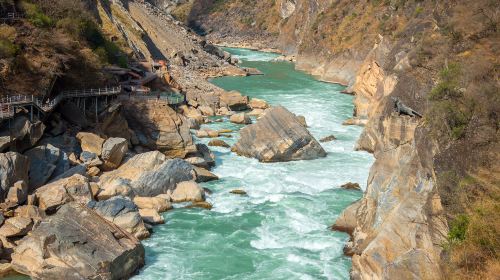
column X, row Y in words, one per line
column 240, row 118
column 256, row 103
column 218, row 143
column 76, row 243
column 16, row 226
column 151, row 216
column 188, row 191
column 203, row 175
column 278, row 136
column 234, row 100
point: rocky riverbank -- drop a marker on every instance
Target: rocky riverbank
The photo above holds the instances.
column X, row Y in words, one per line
column 388, row 52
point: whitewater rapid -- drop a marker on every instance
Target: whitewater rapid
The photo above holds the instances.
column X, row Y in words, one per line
column 280, row 230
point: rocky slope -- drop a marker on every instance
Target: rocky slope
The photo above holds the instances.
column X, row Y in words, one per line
column 439, row 60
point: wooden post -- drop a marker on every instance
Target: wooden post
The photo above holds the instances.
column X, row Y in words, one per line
column 96, row 119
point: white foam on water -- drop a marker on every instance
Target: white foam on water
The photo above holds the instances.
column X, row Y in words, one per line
column 280, row 229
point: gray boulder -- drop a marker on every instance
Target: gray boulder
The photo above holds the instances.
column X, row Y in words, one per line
column 76, row 243
column 113, row 151
column 46, row 161
column 123, row 213
column 171, row 172
column 14, row 167
column 278, row 136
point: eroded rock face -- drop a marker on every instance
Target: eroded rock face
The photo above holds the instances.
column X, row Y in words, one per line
column 123, row 213
column 278, row 136
column 159, row 127
column 76, row 243
column 147, row 174
column 14, row 167
column 400, row 222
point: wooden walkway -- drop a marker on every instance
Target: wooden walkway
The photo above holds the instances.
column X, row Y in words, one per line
column 9, row 104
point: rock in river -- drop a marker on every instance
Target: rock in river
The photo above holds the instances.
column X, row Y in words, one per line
column 278, row 136
column 76, row 243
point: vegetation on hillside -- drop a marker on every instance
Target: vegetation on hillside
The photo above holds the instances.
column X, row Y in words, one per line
column 55, row 38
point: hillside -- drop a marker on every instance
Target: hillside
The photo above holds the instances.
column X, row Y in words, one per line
column 440, row 171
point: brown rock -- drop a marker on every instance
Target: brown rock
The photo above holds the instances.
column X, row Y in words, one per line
column 351, row 186
column 75, row 188
column 240, row 192
column 302, row 120
column 159, row 127
column 206, row 111
column 18, row 193
column 218, row 143
column 157, row 203
column 90, row 142
column 16, row 226
column 151, row 216
column 241, row 118
column 188, row 191
column 76, row 243
column 234, row 100
column 200, row 204
column 93, row 171
column 30, row 212
column 328, row 139
column 278, row 136
column 203, row 175
column 256, row 103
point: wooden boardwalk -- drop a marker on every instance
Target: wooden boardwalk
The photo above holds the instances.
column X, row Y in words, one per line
column 8, row 104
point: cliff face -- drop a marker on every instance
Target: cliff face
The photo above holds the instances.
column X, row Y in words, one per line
column 439, row 59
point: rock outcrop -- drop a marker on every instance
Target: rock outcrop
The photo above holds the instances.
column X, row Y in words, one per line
column 159, row 127
column 278, row 136
column 76, row 243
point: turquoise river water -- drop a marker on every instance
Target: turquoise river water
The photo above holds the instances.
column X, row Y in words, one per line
column 281, row 229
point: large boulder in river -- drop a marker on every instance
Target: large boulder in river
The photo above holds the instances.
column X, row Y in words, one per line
column 123, row 213
column 159, row 127
column 278, row 136
column 234, row 100
column 14, row 167
column 76, row 243
column 147, row 174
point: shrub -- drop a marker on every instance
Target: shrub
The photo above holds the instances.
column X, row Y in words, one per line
column 36, row 16
column 458, row 229
column 7, row 48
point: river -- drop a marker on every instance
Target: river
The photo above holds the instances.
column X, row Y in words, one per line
column 280, row 230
